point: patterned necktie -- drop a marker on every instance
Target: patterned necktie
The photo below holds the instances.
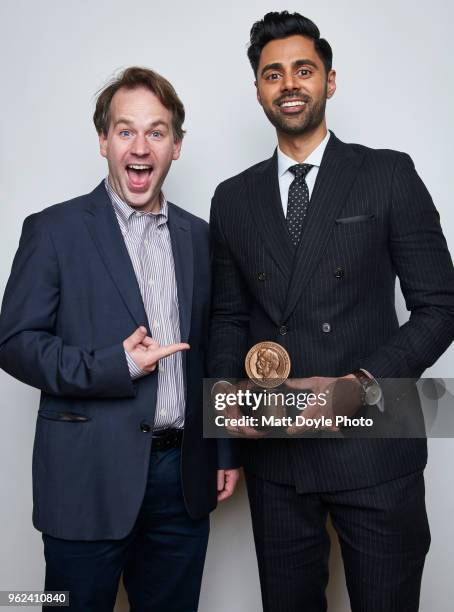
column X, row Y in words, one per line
column 298, row 201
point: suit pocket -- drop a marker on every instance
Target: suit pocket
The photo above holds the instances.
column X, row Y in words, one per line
column 65, row 417
column 357, row 219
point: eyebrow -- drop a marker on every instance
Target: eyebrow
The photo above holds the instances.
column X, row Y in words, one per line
column 152, row 125
column 295, row 64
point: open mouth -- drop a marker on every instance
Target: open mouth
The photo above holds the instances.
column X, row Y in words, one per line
column 139, row 176
column 292, row 106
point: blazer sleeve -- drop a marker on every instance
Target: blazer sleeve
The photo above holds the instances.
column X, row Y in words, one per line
column 230, row 306
column 29, row 349
column 423, row 264
column 229, row 324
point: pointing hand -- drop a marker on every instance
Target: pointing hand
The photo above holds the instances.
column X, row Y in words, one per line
column 146, row 352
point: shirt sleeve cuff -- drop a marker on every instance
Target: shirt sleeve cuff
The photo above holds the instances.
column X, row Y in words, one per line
column 134, row 370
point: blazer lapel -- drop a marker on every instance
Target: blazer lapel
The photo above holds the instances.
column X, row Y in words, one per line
column 266, row 210
column 105, row 231
column 181, row 239
column 335, row 178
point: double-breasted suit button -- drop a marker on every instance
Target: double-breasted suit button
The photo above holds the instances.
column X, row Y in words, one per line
column 283, row 330
column 339, row 272
column 326, row 327
column 261, row 276
column 145, row 427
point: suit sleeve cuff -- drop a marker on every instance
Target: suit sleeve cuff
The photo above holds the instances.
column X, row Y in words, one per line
column 228, row 455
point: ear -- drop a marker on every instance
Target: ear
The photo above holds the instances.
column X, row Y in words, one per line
column 331, row 88
column 176, row 149
column 259, row 99
column 102, row 144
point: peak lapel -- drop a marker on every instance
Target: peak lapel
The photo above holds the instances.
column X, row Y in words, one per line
column 181, row 239
column 267, row 212
column 335, row 178
column 106, row 234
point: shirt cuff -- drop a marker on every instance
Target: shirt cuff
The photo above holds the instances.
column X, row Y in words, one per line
column 134, row 370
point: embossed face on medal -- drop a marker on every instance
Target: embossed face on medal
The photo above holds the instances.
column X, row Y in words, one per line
column 268, row 364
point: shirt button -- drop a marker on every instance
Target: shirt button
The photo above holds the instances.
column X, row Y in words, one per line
column 145, row 427
column 151, row 282
column 162, row 412
column 283, row 330
column 146, row 242
column 326, row 327
column 339, row 272
column 261, row 276
column 156, row 324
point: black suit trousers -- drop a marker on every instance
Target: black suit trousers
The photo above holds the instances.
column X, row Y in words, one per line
column 383, row 533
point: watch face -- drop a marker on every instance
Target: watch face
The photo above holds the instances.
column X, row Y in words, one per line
column 373, row 394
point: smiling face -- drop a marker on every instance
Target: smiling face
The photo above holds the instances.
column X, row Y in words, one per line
column 292, row 85
column 139, row 147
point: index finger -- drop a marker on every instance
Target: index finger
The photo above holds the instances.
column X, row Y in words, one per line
column 299, row 383
column 165, row 351
column 244, row 431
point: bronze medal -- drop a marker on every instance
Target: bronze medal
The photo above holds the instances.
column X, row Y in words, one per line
column 268, row 364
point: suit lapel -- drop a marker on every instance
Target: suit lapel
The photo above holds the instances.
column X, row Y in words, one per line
column 266, row 210
column 181, row 239
column 335, row 178
column 106, row 234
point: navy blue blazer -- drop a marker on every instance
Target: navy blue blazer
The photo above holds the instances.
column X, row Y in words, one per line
column 71, row 300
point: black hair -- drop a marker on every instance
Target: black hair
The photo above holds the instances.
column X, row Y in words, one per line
column 281, row 25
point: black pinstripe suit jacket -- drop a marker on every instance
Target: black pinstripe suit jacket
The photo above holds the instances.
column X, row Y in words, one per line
column 370, row 218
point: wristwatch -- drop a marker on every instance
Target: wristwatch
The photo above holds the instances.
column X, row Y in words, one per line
column 372, row 393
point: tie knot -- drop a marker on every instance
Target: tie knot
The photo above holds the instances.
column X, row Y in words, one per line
column 300, row 170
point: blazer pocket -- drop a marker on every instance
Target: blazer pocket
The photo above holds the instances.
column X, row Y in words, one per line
column 68, row 417
column 357, row 219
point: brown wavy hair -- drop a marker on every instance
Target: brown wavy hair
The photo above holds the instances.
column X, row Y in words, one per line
column 134, row 77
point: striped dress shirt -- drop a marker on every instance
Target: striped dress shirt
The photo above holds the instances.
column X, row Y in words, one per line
column 147, row 240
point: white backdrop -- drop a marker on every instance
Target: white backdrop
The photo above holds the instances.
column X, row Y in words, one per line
column 393, row 61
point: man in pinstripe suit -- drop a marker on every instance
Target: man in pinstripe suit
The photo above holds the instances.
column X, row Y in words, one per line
column 106, row 312
column 307, row 246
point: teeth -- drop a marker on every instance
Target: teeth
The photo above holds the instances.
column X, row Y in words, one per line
column 295, row 103
column 139, row 167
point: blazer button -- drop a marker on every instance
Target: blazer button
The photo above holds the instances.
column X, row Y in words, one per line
column 145, row 427
column 261, row 276
column 283, row 330
column 339, row 272
column 326, row 327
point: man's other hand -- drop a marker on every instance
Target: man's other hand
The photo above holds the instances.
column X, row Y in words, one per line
column 227, row 480
column 343, row 397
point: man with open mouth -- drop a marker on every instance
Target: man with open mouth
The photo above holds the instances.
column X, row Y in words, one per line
column 106, row 312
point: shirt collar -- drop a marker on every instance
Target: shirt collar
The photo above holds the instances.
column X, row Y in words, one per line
column 284, row 162
column 125, row 212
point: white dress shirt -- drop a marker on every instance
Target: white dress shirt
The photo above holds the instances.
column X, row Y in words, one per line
column 284, row 162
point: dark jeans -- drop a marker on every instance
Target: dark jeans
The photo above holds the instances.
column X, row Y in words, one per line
column 161, row 559
column 383, row 533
